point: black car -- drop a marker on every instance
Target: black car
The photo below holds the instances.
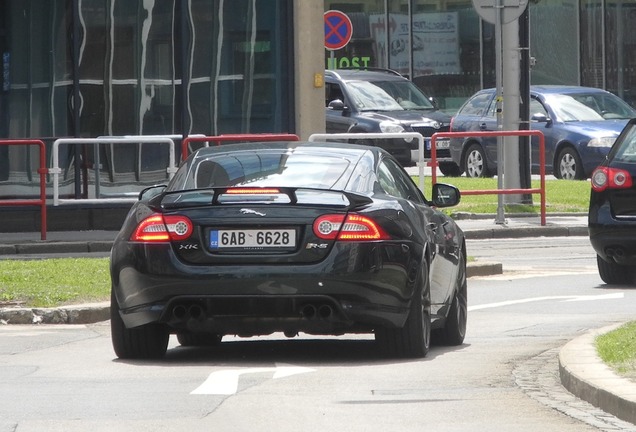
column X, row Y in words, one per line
column 320, row 238
column 612, row 213
column 383, row 101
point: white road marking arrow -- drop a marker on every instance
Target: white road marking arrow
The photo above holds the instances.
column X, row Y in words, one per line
column 225, row 382
column 612, row 296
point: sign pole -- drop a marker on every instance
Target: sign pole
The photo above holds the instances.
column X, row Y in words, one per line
column 500, row 218
column 500, row 12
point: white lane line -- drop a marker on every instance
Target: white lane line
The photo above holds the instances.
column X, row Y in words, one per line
column 612, row 296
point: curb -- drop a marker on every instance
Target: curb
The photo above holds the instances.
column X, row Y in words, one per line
column 585, row 375
column 49, row 247
column 483, row 269
column 540, row 231
column 80, row 314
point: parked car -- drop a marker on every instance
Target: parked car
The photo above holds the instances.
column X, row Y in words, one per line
column 383, row 101
column 612, row 213
column 322, row 238
column 580, row 124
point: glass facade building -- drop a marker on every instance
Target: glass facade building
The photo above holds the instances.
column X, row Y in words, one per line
column 90, row 68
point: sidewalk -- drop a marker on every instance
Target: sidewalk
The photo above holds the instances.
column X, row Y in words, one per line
column 581, row 371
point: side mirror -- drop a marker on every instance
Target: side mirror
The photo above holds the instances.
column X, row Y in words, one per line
column 445, row 195
column 540, row 118
column 337, row 105
column 151, row 192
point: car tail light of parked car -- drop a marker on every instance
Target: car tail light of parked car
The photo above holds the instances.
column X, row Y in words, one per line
column 613, row 178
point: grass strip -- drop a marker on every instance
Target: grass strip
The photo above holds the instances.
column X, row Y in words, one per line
column 618, row 349
column 54, row 282
column 562, row 196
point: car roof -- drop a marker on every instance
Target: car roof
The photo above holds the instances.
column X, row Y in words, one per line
column 365, row 74
column 348, row 151
column 555, row 89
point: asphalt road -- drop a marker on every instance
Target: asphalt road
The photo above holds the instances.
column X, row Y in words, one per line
column 504, row 378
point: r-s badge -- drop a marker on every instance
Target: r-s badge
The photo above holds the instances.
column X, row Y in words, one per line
column 317, row 246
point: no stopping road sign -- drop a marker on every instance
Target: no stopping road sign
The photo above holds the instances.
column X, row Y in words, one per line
column 338, row 30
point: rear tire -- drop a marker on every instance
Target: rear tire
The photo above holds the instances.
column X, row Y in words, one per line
column 475, row 164
column 614, row 274
column 568, row 165
column 414, row 339
column 450, row 169
column 149, row 341
column 454, row 330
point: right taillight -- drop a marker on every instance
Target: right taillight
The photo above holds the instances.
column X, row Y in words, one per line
column 353, row 227
column 610, row 178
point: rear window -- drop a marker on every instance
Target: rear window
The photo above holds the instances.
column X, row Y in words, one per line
column 477, row 105
column 625, row 148
column 262, row 169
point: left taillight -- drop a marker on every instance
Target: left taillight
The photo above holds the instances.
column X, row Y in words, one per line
column 353, row 227
column 160, row 228
column 610, row 178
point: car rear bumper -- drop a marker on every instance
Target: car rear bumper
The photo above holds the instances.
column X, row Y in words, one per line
column 613, row 239
column 348, row 292
column 441, row 156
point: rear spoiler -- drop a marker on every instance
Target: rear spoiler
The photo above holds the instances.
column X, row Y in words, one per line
column 215, row 195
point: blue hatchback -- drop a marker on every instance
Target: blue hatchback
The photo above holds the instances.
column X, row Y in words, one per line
column 580, row 124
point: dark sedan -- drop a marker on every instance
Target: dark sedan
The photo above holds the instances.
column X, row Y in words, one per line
column 383, row 101
column 612, row 214
column 251, row 239
column 580, row 124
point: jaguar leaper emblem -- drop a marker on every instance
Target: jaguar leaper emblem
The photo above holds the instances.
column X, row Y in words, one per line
column 247, row 211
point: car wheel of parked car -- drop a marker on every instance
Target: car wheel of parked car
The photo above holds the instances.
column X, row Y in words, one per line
column 450, row 169
column 199, row 339
column 414, row 339
column 613, row 273
column 475, row 162
column 569, row 165
column 145, row 342
column 454, row 329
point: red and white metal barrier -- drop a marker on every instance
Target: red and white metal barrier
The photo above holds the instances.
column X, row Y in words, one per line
column 55, row 170
column 540, row 190
column 42, row 171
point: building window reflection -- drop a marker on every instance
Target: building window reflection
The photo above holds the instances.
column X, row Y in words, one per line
column 141, row 68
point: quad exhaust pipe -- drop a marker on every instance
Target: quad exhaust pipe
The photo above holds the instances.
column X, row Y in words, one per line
column 616, row 253
column 183, row 313
column 311, row 311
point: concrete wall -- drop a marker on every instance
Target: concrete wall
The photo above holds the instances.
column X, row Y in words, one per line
column 309, row 58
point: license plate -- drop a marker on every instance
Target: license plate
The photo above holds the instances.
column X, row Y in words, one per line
column 439, row 144
column 442, row 144
column 250, row 239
